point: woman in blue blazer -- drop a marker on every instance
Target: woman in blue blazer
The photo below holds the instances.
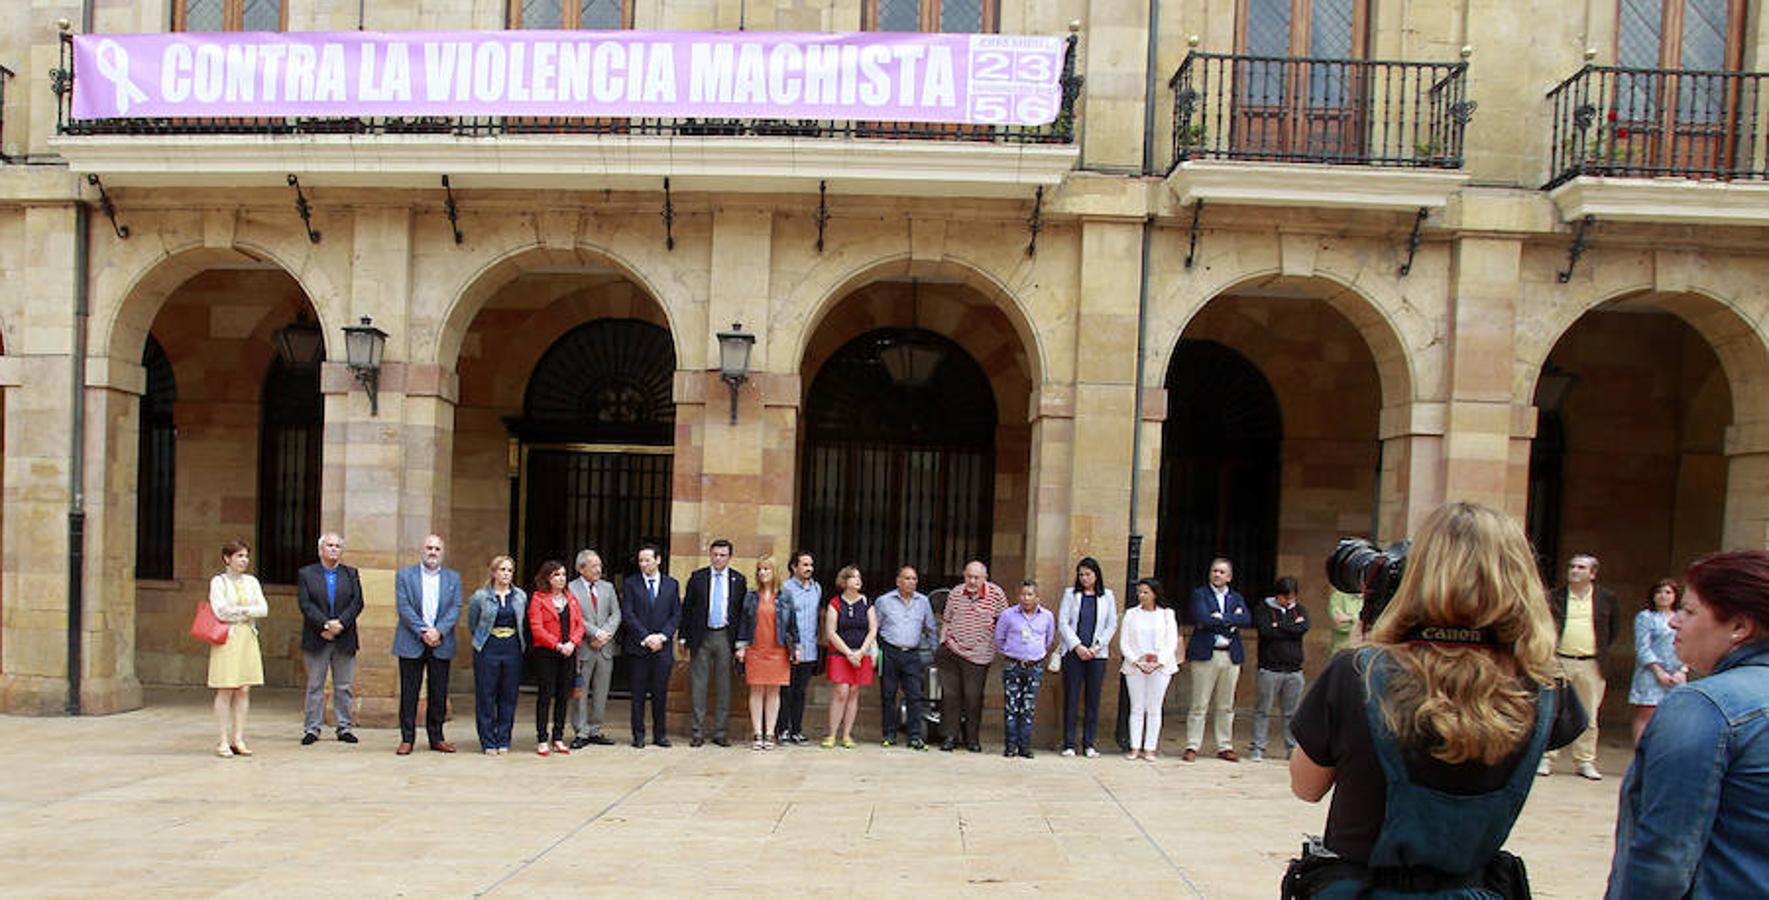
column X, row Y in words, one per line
column 497, row 616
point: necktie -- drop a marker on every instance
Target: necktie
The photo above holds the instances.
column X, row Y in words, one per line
column 651, row 588
column 716, row 616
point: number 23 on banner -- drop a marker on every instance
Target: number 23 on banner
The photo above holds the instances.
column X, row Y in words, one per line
column 1002, row 65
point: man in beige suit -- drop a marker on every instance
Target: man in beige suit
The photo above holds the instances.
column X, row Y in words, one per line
column 595, row 656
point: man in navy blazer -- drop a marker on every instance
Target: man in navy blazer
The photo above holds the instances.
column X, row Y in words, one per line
column 709, row 620
column 1215, row 654
column 428, row 598
column 330, row 596
column 650, row 610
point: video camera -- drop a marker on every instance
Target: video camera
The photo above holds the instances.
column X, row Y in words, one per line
column 1357, row 566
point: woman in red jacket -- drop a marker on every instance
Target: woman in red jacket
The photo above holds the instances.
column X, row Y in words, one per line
column 556, row 625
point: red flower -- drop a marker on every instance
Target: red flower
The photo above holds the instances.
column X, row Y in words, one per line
column 1621, row 134
column 1612, row 115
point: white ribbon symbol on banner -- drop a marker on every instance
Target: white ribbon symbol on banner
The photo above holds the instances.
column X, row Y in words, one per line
column 113, row 63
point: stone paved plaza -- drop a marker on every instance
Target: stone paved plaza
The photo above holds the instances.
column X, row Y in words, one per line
column 135, row 802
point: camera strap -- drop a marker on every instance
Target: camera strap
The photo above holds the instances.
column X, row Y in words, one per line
column 1452, row 635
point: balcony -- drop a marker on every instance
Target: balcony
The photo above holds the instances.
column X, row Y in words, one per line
column 744, row 155
column 1266, row 129
column 1658, row 145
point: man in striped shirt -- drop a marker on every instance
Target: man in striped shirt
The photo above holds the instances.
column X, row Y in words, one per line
column 967, row 635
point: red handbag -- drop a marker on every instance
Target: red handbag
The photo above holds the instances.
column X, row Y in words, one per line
column 206, row 627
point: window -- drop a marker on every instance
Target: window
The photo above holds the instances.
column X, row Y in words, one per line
column 1673, row 109
column 157, row 461
column 1295, row 96
column 602, row 15
column 943, row 16
column 1704, row 35
column 229, row 15
column 289, row 471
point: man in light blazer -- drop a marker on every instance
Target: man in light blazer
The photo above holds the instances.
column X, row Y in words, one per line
column 650, row 611
column 595, row 656
column 1215, row 653
column 428, row 600
column 330, row 596
column 710, row 607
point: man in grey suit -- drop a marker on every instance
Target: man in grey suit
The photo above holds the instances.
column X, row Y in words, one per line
column 595, row 656
column 428, row 599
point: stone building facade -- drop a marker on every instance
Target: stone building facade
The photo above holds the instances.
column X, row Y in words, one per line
column 1317, row 344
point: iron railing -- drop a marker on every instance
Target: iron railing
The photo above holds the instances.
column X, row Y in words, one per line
column 1650, row 123
column 1060, row 131
column 1310, row 110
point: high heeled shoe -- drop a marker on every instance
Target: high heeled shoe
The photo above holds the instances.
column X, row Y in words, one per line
column 240, row 749
column 223, row 750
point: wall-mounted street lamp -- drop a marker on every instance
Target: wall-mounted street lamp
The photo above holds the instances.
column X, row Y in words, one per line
column 300, row 343
column 734, row 347
column 363, row 346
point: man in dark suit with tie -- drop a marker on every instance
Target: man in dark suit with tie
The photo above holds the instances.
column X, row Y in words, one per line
column 650, row 610
column 330, row 596
column 428, row 599
column 1215, row 655
column 710, row 606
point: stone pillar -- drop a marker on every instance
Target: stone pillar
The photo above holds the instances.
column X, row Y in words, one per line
column 1478, row 419
column 36, row 374
column 1104, row 400
column 1411, row 482
column 1747, row 485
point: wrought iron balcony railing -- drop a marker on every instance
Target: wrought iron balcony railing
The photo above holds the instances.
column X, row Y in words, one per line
column 1060, row 131
column 5, row 76
column 1651, row 123
column 1307, row 110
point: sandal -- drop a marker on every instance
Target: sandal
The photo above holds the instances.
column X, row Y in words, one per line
column 223, row 750
column 767, row 742
column 757, row 744
column 240, row 749
column 828, row 743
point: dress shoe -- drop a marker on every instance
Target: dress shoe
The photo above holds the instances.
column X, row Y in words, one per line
column 662, row 742
column 579, row 742
column 1009, row 752
column 559, row 749
column 696, row 741
column 442, row 746
column 1586, row 770
column 974, row 747
column 1189, row 755
column 600, row 740
column 1545, row 767
column 948, row 745
column 309, row 739
column 1025, row 752
column 1228, row 756
column 918, row 744
column 638, row 743
column 348, row 737
column 240, row 749
column 721, row 741
column 404, row 748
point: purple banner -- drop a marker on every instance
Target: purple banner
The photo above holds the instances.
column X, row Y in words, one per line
column 982, row 79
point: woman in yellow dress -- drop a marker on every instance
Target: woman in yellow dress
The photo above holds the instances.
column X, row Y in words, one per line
column 234, row 667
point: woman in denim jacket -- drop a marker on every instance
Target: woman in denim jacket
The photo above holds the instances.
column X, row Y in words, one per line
column 767, row 646
column 1694, row 819
column 497, row 617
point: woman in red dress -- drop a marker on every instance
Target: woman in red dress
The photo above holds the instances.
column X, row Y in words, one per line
column 766, row 638
column 850, row 626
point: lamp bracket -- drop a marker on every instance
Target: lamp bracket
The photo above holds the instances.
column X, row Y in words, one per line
column 1578, row 248
column 1191, row 253
column 1035, row 224
column 822, row 211
column 669, row 218
column 105, row 205
column 1413, row 241
column 453, row 211
column 304, row 209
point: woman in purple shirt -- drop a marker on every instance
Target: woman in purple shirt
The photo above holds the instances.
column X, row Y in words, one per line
column 1024, row 634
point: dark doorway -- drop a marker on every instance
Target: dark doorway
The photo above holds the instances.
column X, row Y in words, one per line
column 1219, row 471
column 157, row 460
column 899, row 459
column 288, row 471
column 598, row 424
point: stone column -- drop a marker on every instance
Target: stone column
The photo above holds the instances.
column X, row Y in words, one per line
column 1478, row 424
column 1411, row 483
column 1747, row 485
column 1104, row 400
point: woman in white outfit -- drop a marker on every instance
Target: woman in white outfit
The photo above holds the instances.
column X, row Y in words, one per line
column 236, row 666
column 1149, row 638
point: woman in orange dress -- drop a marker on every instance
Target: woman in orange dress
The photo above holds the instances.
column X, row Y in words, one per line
column 766, row 638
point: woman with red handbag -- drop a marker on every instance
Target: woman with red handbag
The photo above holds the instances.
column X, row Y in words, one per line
column 235, row 666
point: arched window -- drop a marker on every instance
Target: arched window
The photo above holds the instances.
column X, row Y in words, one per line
column 1220, row 453
column 899, row 459
column 290, row 436
column 157, row 461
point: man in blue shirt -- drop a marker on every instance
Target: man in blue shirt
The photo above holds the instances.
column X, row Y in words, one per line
column 330, row 596
column 906, row 624
column 807, row 607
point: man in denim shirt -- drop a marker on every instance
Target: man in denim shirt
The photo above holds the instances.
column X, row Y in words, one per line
column 807, row 605
column 905, row 624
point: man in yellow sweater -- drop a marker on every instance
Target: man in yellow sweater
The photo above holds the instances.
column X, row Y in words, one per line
column 1584, row 622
